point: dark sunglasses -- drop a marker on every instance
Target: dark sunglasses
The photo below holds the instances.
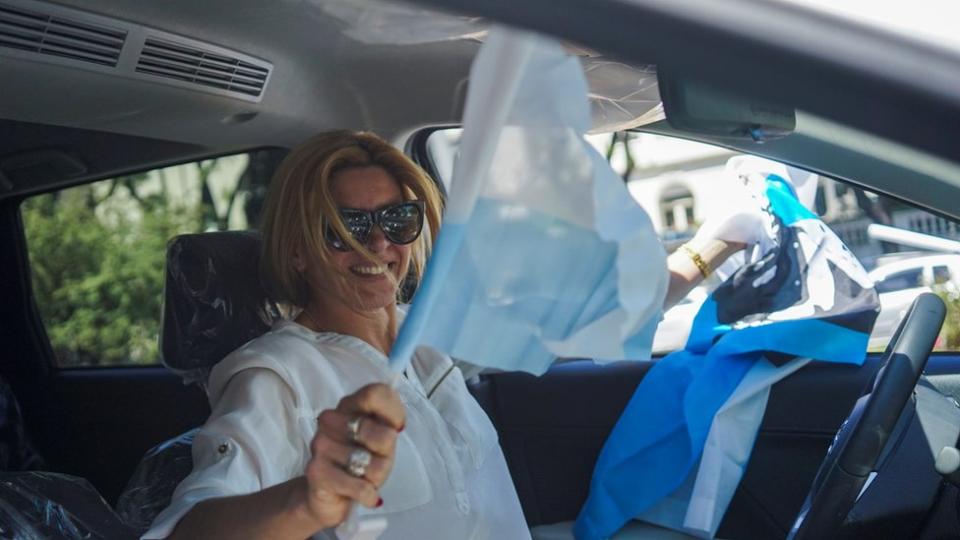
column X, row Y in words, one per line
column 401, row 224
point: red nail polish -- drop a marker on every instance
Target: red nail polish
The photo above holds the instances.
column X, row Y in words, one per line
column 379, row 502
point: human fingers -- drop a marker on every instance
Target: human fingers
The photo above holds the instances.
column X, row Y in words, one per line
column 377, row 400
column 743, row 228
column 326, row 478
column 371, row 432
column 376, row 471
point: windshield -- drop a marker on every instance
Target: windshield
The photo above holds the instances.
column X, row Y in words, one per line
column 681, row 184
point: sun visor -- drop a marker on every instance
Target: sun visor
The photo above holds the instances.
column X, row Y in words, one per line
column 622, row 96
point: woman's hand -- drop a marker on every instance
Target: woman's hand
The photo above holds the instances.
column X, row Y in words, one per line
column 716, row 240
column 330, row 487
column 739, row 230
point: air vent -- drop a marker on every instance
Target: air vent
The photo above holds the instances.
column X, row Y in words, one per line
column 63, row 37
column 212, row 69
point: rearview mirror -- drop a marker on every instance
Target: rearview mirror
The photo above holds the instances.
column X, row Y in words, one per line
column 699, row 108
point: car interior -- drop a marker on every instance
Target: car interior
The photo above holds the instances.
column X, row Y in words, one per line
column 93, row 90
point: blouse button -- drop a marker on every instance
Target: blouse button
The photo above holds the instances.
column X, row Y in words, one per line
column 222, row 449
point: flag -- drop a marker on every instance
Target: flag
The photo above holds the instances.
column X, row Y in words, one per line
column 751, row 331
column 543, row 252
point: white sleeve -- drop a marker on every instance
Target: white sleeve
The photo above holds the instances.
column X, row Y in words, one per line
column 250, row 442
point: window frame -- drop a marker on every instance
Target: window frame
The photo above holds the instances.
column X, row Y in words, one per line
column 35, row 322
column 418, row 141
column 919, row 272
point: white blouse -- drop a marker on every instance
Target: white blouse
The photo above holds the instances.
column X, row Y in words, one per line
column 449, row 478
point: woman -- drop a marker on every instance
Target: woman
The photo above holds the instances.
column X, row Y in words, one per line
column 302, row 424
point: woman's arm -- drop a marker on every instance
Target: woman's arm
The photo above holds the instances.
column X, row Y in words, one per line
column 685, row 273
column 322, row 497
column 277, row 512
column 716, row 240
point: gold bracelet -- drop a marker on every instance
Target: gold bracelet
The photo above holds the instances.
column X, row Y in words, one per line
column 697, row 260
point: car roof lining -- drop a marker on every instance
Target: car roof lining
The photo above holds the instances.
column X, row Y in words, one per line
column 321, row 79
column 101, row 155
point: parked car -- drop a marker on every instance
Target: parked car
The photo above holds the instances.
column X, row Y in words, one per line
column 916, row 270
column 125, row 122
column 899, row 282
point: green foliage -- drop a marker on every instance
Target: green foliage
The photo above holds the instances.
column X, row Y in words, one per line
column 97, row 251
column 98, row 269
column 949, row 339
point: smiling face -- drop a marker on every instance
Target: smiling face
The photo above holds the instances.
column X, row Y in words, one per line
column 299, row 265
column 366, row 285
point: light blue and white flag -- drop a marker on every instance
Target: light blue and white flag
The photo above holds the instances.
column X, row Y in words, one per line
column 543, row 252
column 805, row 296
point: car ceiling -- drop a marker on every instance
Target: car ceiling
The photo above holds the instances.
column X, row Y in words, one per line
column 323, row 79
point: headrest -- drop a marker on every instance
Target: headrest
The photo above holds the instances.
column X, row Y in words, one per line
column 213, row 300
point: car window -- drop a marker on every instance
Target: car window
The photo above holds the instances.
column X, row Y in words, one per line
column 941, row 275
column 908, row 279
column 97, row 251
column 680, row 183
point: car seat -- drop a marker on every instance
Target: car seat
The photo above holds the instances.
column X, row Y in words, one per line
column 35, row 504
column 213, row 304
column 52, row 505
column 213, row 301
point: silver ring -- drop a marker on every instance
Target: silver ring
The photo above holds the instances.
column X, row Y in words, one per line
column 358, row 462
column 353, row 428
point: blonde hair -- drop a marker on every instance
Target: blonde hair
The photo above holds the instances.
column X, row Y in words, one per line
column 299, row 205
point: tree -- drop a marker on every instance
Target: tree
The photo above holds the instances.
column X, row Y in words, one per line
column 97, row 251
column 97, row 255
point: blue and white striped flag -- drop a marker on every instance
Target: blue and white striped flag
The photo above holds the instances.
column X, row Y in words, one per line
column 805, row 297
column 543, row 252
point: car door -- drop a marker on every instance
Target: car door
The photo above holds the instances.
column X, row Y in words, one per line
column 94, row 260
column 553, row 427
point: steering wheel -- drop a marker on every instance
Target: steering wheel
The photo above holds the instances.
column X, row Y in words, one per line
column 853, row 455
